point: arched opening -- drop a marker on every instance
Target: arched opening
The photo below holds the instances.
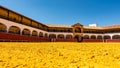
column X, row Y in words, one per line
column 40, row 34
column 116, row 37
column 79, row 38
column 46, row 35
column 2, row 28
column 60, row 36
column 14, row 30
column 99, row 37
column 77, row 30
column 34, row 33
column 68, row 36
column 86, row 37
column 106, row 37
column 52, row 36
column 26, row 32
column 93, row 37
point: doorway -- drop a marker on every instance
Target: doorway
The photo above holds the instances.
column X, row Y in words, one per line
column 79, row 38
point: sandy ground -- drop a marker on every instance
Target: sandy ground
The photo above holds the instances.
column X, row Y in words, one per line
column 59, row 55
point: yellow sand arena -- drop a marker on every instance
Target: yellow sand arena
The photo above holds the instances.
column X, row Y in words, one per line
column 59, row 55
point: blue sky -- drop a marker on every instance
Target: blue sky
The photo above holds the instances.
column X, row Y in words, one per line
column 68, row 12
